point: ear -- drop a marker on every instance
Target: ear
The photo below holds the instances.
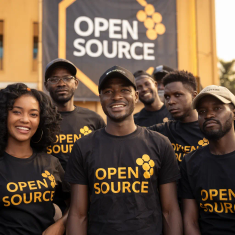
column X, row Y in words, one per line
column 155, row 83
column 76, row 83
column 136, row 96
column 45, row 84
column 194, row 94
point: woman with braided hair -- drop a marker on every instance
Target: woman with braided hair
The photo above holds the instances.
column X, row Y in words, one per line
column 29, row 178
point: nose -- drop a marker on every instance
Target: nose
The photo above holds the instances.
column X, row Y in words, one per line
column 210, row 114
column 61, row 82
column 170, row 101
column 117, row 95
column 25, row 118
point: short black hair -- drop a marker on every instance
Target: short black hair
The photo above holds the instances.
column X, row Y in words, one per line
column 185, row 77
column 140, row 73
column 49, row 117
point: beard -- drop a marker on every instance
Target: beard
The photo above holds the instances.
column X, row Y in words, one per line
column 149, row 101
column 219, row 133
column 62, row 99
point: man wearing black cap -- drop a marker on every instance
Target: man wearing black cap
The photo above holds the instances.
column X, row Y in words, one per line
column 125, row 173
column 208, row 177
column 154, row 110
column 61, row 82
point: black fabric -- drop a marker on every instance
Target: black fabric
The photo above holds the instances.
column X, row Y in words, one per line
column 209, row 179
column 27, row 187
column 148, row 118
column 184, row 137
column 74, row 125
column 123, row 174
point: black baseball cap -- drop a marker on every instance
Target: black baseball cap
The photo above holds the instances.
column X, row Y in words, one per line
column 57, row 63
column 117, row 72
column 160, row 71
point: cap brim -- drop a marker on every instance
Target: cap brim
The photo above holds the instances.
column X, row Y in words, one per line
column 200, row 96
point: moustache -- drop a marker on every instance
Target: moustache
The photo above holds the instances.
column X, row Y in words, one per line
column 204, row 124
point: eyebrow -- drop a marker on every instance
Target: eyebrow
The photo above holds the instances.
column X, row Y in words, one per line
column 22, row 108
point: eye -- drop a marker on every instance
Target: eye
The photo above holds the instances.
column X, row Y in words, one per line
column 107, row 92
column 177, row 94
column 34, row 115
column 16, row 112
column 125, row 90
column 217, row 108
column 201, row 111
column 166, row 97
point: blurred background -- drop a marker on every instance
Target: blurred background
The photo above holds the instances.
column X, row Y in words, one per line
column 194, row 35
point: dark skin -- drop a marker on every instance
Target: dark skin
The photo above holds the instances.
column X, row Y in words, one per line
column 178, row 100
column 118, row 99
column 62, row 93
column 148, row 93
column 213, row 116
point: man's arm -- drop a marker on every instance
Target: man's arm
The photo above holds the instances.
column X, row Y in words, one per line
column 190, row 217
column 172, row 220
column 77, row 218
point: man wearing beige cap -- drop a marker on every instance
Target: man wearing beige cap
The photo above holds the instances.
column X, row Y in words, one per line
column 207, row 186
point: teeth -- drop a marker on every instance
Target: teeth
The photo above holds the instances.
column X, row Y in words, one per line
column 147, row 94
column 22, row 128
column 117, row 106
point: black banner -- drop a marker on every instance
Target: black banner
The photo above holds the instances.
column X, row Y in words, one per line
column 97, row 34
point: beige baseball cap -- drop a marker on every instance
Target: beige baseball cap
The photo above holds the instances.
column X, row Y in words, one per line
column 220, row 92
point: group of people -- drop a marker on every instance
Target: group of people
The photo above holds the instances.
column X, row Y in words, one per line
column 165, row 170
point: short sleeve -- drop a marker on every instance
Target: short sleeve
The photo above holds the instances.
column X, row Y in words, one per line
column 185, row 191
column 75, row 170
column 169, row 167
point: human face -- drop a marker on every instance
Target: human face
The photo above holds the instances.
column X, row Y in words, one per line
column 178, row 100
column 147, row 89
column 215, row 118
column 118, row 99
column 23, row 119
column 61, row 92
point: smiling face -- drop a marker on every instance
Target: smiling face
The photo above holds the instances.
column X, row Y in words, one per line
column 215, row 118
column 147, row 89
column 178, row 100
column 118, row 99
column 23, row 119
column 61, row 92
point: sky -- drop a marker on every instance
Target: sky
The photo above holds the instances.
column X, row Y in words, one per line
column 225, row 30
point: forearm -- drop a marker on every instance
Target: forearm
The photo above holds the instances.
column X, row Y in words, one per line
column 172, row 223
column 191, row 228
column 76, row 225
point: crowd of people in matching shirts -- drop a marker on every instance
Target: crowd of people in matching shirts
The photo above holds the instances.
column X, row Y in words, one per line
column 165, row 170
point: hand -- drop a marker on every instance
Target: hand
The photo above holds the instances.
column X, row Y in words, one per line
column 57, row 228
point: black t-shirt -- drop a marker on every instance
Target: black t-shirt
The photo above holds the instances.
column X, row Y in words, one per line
column 74, row 125
column 184, row 137
column 210, row 180
column 123, row 174
column 27, row 188
column 148, row 118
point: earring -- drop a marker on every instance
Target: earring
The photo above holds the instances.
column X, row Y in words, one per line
column 39, row 139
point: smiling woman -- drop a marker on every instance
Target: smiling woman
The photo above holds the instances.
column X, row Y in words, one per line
column 29, row 177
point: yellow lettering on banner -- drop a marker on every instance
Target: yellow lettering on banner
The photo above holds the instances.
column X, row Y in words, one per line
column 97, row 173
column 52, row 195
column 222, row 193
column 39, row 183
column 112, row 187
column 107, row 186
column 213, row 193
column 178, row 146
column 76, row 137
column 133, row 187
column 216, row 207
column 126, row 186
column 206, row 194
column 134, row 173
column 25, row 197
column 70, row 138
column 210, row 206
column 121, row 171
column 49, row 150
column 4, row 199
column 178, row 156
column 57, row 139
column 62, row 137
column 22, row 185
column 186, row 148
column 173, row 146
column 228, row 206
column 44, row 196
column 144, row 187
column 64, row 150
column 111, row 171
column 54, row 149
column 193, row 148
column 32, row 185
column 16, row 203
column 70, row 148
column 12, row 190
column 230, row 192
column 37, row 195
column 97, row 188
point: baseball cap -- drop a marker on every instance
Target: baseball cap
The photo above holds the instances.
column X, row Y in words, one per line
column 117, row 72
column 57, row 63
column 220, row 92
column 160, row 71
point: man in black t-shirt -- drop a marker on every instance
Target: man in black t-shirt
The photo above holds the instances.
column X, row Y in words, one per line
column 154, row 110
column 183, row 132
column 125, row 173
column 208, row 177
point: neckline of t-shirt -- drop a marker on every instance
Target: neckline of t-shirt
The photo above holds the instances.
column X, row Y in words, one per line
column 20, row 159
column 131, row 135
column 159, row 110
column 186, row 123
column 69, row 112
column 219, row 156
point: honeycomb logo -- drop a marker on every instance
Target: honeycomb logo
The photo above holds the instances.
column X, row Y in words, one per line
column 85, row 130
column 203, row 142
column 48, row 175
column 147, row 165
column 151, row 19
